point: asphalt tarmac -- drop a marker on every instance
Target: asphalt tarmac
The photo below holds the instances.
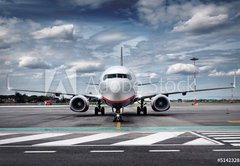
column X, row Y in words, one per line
column 184, row 135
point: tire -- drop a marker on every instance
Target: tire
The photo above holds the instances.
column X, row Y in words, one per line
column 144, row 110
column 102, row 110
column 138, row 110
column 96, row 110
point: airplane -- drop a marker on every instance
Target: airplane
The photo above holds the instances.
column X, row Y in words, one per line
column 118, row 89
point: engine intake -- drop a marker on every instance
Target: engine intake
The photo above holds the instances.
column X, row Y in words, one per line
column 79, row 104
column 160, row 103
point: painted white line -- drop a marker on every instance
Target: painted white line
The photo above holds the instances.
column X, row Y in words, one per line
column 3, row 134
column 221, row 132
column 107, row 151
column 231, row 140
column 150, row 139
column 153, row 151
column 232, row 135
column 200, row 141
column 226, row 137
column 235, row 144
column 31, row 138
column 79, row 140
column 206, row 138
column 226, row 150
column 39, row 151
column 33, row 106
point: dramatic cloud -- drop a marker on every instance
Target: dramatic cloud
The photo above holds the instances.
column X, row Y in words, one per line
column 86, row 67
column 33, row 63
column 150, row 75
column 110, row 37
column 170, row 57
column 91, row 4
column 65, row 32
column 216, row 73
column 9, row 34
column 181, row 68
column 205, row 19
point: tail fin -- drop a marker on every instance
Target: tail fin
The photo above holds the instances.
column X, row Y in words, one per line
column 121, row 56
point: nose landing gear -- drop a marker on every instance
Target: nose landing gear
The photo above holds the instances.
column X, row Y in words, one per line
column 118, row 115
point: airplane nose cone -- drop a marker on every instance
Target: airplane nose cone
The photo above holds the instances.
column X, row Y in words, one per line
column 115, row 87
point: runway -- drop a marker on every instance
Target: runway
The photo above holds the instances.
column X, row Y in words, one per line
column 184, row 135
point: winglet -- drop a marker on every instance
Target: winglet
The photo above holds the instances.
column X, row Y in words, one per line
column 8, row 83
column 234, row 80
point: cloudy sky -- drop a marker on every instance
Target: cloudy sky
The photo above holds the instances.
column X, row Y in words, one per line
column 78, row 39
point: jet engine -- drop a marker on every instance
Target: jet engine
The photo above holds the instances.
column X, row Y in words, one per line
column 79, row 104
column 160, row 103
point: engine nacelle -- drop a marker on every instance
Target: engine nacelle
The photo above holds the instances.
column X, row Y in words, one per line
column 79, row 104
column 160, row 103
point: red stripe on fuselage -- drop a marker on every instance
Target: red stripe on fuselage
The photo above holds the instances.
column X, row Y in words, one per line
column 118, row 101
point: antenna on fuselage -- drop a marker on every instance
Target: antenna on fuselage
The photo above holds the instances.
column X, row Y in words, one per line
column 121, row 56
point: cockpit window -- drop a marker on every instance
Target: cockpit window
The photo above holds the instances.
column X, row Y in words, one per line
column 118, row 75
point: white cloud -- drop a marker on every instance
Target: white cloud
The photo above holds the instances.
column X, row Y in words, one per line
column 33, row 63
column 204, row 69
column 216, row 73
column 110, row 37
column 181, row 68
column 9, row 34
column 91, row 4
column 150, row 75
column 86, row 67
column 205, row 19
column 170, row 57
column 65, row 32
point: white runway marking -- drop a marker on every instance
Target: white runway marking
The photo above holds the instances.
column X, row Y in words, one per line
column 150, row 139
column 107, row 151
column 31, row 138
column 206, row 138
column 164, row 151
column 3, row 134
column 200, row 141
column 40, row 152
column 226, row 137
column 79, row 140
column 33, row 106
column 226, row 150
column 231, row 140
column 235, row 144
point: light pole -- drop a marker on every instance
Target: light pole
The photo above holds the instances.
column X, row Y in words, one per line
column 194, row 77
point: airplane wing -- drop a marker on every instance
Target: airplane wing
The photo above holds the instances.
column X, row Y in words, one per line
column 180, row 92
column 187, row 91
column 89, row 96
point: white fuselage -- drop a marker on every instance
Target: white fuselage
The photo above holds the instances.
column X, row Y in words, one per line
column 118, row 86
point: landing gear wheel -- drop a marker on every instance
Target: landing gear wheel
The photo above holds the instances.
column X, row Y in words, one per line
column 102, row 110
column 96, row 110
column 138, row 110
column 144, row 110
column 118, row 115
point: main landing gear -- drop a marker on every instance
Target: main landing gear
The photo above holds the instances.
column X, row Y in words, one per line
column 99, row 109
column 118, row 115
column 142, row 108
